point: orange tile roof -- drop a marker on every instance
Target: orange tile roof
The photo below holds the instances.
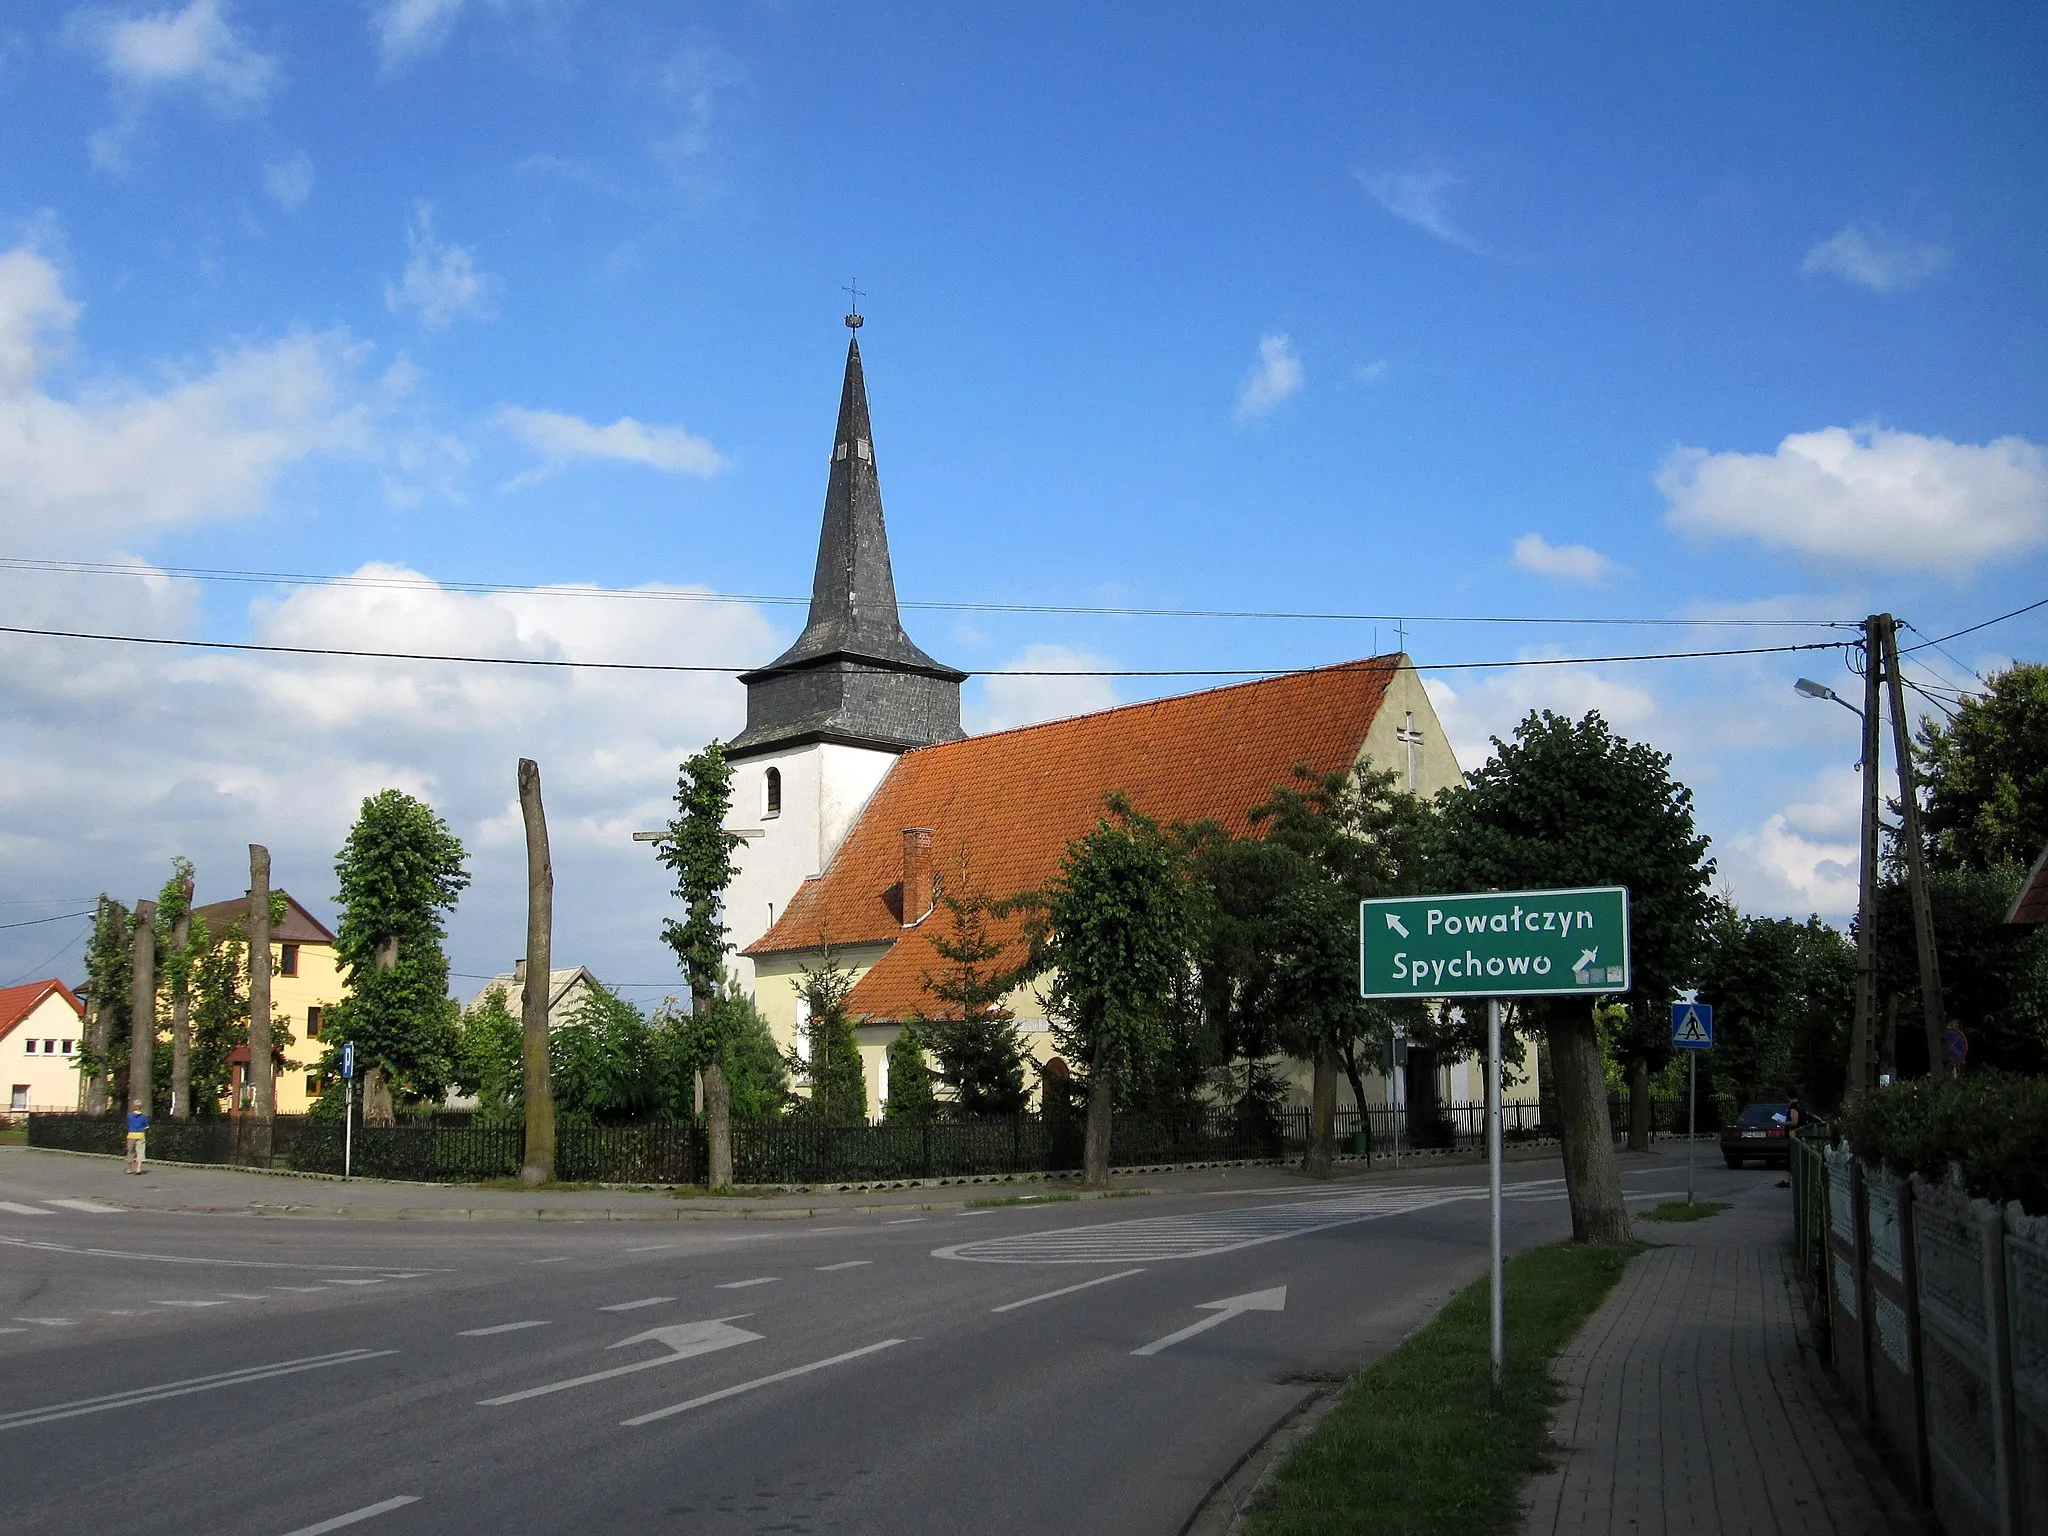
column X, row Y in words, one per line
column 1010, row 802
column 17, row 1003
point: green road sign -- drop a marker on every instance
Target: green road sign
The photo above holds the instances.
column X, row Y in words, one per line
column 1501, row 944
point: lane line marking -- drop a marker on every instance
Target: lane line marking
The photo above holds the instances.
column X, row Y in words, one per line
column 15, row 1207
column 634, row 1306
column 558, row 1259
column 974, row 1213
column 685, row 1341
column 1067, row 1290
column 157, row 1301
column 655, row 1248
column 484, row 1333
column 902, row 1221
column 741, row 1285
column 189, row 1385
column 365, row 1513
column 826, row 1269
column 90, row 1207
column 245, row 1295
column 763, row 1381
column 13, row 1330
column 176, row 1258
column 49, row 1322
column 300, row 1288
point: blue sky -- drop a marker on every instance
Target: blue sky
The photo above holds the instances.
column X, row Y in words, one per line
column 1536, row 311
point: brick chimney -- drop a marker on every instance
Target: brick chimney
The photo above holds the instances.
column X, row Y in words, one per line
column 917, row 875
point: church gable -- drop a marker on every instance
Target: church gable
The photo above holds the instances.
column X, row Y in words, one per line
column 1008, row 804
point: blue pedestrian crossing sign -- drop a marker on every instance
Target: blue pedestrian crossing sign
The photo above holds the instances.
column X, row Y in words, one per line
column 1692, row 1026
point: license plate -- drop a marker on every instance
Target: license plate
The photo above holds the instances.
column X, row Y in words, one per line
column 1754, row 1135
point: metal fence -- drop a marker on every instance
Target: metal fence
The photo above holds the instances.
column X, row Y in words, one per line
column 1937, row 1311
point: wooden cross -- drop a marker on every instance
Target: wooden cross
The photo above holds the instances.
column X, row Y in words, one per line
column 1410, row 737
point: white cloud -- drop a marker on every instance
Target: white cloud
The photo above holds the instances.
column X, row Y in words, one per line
column 1422, row 198
column 1803, row 858
column 559, row 438
column 289, row 182
column 194, row 49
column 1872, row 497
column 1572, row 562
column 1370, row 373
column 408, row 30
column 117, row 757
column 1006, row 702
column 1475, row 711
column 440, row 281
column 1881, row 262
column 119, row 456
column 1275, row 376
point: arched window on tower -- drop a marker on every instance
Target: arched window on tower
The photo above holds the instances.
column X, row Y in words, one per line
column 771, row 792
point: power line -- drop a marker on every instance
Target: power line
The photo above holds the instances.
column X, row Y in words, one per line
column 730, row 671
column 427, row 584
column 34, row 921
column 1958, row 634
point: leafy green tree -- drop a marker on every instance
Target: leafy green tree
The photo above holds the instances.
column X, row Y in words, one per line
column 1783, row 994
column 831, row 1065
column 109, row 967
column 1994, row 978
column 971, row 1033
column 1117, row 931
column 401, row 872
column 1986, row 775
column 755, row 1074
column 600, row 1060
column 175, row 954
column 220, row 1011
column 488, row 1063
column 698, row 850
column 910, row 1077
column 1569, row 803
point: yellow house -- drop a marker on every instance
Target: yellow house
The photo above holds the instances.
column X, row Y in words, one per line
column 42, row 1027
column 305, row 982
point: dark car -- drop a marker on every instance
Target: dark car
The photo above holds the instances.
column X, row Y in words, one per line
column 1762, row 1131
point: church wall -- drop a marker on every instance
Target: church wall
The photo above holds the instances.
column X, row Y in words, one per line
column 1436, row 765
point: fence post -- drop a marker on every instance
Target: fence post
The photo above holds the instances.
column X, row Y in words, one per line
column 2005, row 1448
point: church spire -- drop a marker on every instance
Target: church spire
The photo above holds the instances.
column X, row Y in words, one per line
column 885, row 691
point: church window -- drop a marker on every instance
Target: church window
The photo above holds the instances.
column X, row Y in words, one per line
column 771, row 792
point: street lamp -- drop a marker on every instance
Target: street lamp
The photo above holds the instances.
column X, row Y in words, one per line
column 1813, row 690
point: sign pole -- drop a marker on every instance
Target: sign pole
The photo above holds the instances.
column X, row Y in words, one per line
column 348, row 1107
column 1692, row 1115
column 1493, row 1152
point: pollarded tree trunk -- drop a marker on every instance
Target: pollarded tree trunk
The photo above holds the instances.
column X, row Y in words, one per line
column 376, row 1082
column 718, row 1125
column 261, row 1068
column 142, row 1009
column 1639, row 1104
column 181, row 1020
column 539, row 1166
column 1095, row 1145
column 1592, row 1176
column 98, row 1028
column 1322, row 1115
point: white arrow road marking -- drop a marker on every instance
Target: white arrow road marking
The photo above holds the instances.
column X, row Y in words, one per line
column 15, row 1208
column 365, row 1513
column 683, row 1340
column 1222, row 1311
column 1394, row 922
column 191, row 1384
column 761, row 1381
column 90, row 1207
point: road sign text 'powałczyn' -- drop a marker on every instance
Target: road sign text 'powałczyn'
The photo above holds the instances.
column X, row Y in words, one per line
column 1500, row 944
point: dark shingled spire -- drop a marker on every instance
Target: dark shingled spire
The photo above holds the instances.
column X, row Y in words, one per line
column 853, row 675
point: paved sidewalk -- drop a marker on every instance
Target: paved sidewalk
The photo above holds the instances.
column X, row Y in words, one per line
column 1694, row 1402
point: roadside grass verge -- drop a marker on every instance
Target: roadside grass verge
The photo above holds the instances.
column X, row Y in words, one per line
column 519, row 1186
column 1678, row 1210
column 1060, row 1198
column 1414, row 1447
column 13, row 1135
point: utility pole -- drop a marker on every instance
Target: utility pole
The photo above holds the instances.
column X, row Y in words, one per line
column 1932, row 1011
column 1863, row 1032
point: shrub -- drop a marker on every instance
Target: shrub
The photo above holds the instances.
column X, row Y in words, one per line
column 1991, row 1128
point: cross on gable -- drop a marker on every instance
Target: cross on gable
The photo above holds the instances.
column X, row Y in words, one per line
column 1411, row 737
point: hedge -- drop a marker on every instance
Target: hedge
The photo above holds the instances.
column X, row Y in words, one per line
column 1989, row 1128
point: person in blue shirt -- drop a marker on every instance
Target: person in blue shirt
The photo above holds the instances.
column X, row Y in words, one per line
column 138, row 1128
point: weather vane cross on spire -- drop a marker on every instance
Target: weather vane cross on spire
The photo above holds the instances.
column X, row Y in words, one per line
column 853, row 292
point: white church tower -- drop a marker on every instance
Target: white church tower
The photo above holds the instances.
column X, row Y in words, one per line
column 828, row 716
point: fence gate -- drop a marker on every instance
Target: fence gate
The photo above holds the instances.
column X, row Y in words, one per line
column 1960, row 1249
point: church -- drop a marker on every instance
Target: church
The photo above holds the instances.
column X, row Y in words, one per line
column 858, row 795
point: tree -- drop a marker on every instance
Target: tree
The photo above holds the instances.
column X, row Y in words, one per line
column 103, row 1062
column 536, row 1087
column 174, row 918
column 1986, row 775
column 489, row 1060
column 220, row 1011
column 698, row 850
column 910, row 1077
column 831, row 1064
column 684, row 1043
column 973, row 1036
column 1994, row 978
column 1569, row 803
column 1783, row 993
column 401, row 871
column 1118, row 934
column 601, row 1061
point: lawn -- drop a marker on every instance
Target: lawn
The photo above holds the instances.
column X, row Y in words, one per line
column 1415, row 1447
column 1678, row 1210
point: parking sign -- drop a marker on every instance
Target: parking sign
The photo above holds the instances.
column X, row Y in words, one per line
column 348, row 1059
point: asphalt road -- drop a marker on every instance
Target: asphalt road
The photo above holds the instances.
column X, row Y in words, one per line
column 1016, row 1369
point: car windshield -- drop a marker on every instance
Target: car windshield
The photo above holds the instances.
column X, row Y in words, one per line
column 1760, row 1117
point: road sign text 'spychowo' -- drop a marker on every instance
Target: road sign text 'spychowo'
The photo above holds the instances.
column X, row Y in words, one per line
column 1499, row 944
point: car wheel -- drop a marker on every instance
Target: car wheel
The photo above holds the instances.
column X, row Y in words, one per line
column 1734, row 1162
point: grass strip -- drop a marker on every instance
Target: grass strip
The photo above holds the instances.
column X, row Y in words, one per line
column 1678, row 1210
column 1414, row 1446
column 1061, row 1198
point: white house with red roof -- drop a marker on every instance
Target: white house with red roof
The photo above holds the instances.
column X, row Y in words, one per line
column 42, row 1029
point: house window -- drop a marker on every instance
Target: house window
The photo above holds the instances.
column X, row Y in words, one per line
column 313, row 1022
column 49, row 1047
column 288, row 960
column 70, row 1047
column 771, row 792
column 314, row 1086
column 31, row 1047
column 17, row 1101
